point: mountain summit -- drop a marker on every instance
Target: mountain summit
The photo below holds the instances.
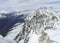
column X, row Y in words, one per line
column 40, row 26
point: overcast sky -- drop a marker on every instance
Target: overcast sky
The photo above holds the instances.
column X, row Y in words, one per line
column 27, row 4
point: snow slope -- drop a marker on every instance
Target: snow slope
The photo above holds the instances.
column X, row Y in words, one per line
column 3, row 40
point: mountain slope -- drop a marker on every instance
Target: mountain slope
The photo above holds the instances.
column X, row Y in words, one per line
column 36, row 28
column 40, row 26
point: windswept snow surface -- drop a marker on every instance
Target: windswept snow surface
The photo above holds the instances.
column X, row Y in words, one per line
column 55, row 34
column 3, row 40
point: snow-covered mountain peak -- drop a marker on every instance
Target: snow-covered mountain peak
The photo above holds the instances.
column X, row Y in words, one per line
column 40, row 26
column 40, row 22
column 44, row 10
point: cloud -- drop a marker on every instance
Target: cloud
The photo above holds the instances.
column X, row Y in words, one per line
column 25, row 4
column 55, row 2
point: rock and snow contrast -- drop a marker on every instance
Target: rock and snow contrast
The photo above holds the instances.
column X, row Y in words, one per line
column 38, row 26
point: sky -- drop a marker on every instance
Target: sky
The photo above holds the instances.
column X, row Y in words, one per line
column 27, row 4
